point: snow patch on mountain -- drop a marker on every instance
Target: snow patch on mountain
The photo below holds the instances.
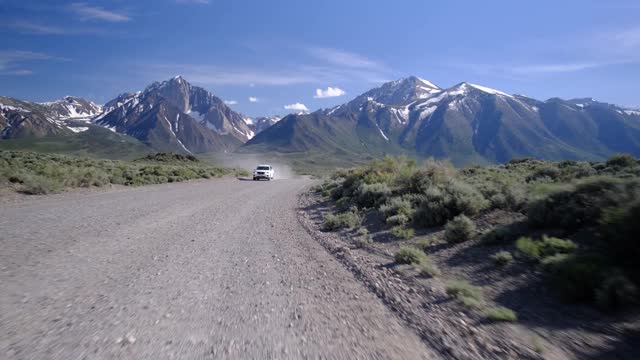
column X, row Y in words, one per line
column 428, row 84
column 7, row 108
column 382, row 133
column 196, row 115
column 490, row 90
column 78, row 129
column 427, row 112
column 402, row 115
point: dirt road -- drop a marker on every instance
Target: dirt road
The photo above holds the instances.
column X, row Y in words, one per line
column 213, row 269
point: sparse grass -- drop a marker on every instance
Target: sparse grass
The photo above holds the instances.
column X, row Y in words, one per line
column 363, row 241
column 501, row 313
column 402, row 232
column 547, row 246
column 424, row 243
column 409, row 255
column 397, row 220
column 502, row 258
column 36, row 173
column 471, row 303
column 537, row 344
column 468, row 295
column 428, row 269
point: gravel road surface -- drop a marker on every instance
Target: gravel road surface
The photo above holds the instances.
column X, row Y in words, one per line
column 211, row 269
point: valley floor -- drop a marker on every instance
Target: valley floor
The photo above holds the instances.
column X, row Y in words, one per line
column 208, row 269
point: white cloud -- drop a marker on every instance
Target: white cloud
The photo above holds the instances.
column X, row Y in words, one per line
column 329, row 66
column 201, row 2
column 230, row 102
column 329, row 92
column 253, row 99
column 12, row 61
column 553, row 68
column 297, row 106
column 214, row 75
column 344, row 58
column 88, row 12
column 20, row 72
column 33, row 28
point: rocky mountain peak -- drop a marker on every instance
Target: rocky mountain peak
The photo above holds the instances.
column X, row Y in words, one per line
column 400, row 92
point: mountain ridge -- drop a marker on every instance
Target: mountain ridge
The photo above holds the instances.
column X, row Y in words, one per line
column 466, row 123
column 189, row 118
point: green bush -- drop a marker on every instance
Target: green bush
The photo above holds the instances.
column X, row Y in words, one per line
column 399, row 219
column 372, row 195
column 40, row 185
column 616, row 292
column 502, row 258
column 582, row 204
column 343, row 203
column 497, row 236
column 501, row 313
column 341, row 221
column 459, row 229
column 550, row 172
column 620, row 230
column 442, row 203
column 508, row 197
column 409, row 255
column 413, row 180
column 396, row 206
column 575, row 278
column 547, row 246
column 622, row 160
column 575, row 170
column 402, row 232
column 336, row 193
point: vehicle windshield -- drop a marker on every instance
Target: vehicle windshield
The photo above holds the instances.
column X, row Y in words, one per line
column 262, row 168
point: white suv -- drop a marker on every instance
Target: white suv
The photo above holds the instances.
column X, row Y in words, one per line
column 263, row 172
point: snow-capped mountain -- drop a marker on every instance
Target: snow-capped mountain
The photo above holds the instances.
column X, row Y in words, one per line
column 28, row 119
column 173, row 115
column 399, row 92
column 466, row 123
column 259, row 124
column 74, row 108
column 202, row 106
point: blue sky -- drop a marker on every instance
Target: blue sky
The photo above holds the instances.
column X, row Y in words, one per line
column 279, row 53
